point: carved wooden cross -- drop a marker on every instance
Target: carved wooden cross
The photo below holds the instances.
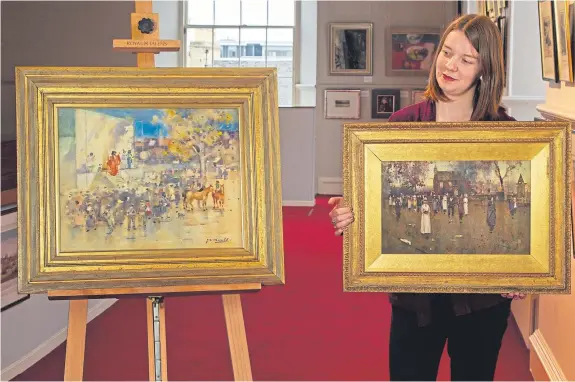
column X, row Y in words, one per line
column 145, row 39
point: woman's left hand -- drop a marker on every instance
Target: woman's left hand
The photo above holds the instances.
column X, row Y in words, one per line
column 514, row 295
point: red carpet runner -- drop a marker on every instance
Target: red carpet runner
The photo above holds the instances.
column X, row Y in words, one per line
column 306, row 330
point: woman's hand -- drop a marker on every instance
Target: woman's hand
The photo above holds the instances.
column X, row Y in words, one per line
column 514, row 295
column 340, row 216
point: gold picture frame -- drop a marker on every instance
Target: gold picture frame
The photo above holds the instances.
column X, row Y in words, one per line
column 394, row 248
column 95, row 215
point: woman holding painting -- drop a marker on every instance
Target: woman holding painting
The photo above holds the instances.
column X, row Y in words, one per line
column 465, row 84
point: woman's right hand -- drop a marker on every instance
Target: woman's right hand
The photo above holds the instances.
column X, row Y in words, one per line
column 340, row 216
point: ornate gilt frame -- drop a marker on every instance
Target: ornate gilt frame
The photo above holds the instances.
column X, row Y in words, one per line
column 546, row 269
column 40, row 91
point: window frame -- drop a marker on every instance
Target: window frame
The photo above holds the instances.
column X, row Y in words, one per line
column 296, row 54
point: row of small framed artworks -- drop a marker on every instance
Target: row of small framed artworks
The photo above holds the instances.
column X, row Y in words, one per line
column 409, row 50
column 557, row 36
column 346, row 103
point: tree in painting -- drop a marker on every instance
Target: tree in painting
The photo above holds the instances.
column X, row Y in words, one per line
column 456, row 207
column 146, row 178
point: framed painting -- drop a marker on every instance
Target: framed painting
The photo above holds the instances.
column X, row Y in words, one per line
column 411, row 51
column 417, row 95
column 342, row 104
column 350, row 49
column 384, row 102
column 148, row 177
column 10, row 295
column 476, row 207
column 563, row 38
column 548, row 45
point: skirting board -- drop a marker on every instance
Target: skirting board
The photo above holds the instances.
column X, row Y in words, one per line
column 50, row 344
column 330, row 186
column 542, row 360
column 298, row 203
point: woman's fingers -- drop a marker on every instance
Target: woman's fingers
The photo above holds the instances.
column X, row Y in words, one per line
column 344, row 223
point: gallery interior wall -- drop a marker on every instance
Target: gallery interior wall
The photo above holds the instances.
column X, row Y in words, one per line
column 383, row 14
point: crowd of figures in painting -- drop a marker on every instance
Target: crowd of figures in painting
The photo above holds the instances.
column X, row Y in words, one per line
column 456, row 207
column 145, row 171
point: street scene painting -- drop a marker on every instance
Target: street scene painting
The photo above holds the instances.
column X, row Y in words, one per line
column 456, row 207
column 142, row 178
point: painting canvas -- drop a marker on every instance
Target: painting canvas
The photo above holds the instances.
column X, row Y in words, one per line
column 137, row 178
column 351, row 48
column 150, row 181
column 450, row 207
column 411, row 52
column 466, row 207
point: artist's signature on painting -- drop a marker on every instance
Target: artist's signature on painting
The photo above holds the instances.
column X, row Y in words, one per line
column 218, row 240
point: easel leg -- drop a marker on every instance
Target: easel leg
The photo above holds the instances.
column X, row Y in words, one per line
column 76, row 340
column 237, row 337
column 157, row 352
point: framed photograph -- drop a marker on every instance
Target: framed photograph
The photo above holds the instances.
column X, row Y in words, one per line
column 475, row 207
column 351, row 47
column 411, row 51
column 342, row 104
column 10, row 295
column 547, row 38
column 563, row 38
column 135, row 177
column 385, row 102
column 417, row 95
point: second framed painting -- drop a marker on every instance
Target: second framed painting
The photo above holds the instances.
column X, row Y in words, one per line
column 475, row 207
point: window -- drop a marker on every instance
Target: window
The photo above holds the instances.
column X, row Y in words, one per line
column 243, row 33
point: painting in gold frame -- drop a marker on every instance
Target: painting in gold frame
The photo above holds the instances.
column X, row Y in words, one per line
column 472, row 242
column 147, row 177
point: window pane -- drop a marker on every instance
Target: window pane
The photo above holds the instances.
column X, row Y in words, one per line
column 280, row 50
column 281, row 13
column 200, row 12
column 226, row 47
column 254, row 12
column 199, row 47
column 285, row 89
column 253, row 47
column 227, row 12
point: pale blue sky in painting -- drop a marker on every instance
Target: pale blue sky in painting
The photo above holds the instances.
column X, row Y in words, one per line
column 145, row 126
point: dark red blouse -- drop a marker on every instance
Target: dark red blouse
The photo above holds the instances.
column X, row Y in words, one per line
column 420, row 302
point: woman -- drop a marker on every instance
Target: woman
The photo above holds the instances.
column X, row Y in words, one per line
column 465, row 84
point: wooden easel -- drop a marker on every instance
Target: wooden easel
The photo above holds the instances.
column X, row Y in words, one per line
column 145, row 43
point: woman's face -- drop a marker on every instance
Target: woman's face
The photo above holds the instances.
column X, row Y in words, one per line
column 458, row 66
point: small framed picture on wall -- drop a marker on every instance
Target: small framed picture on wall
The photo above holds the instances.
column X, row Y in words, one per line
column 417, row 95
column 350, row 51
column 342, row 104
column 411, row 51
column 384, row 102
column 548, row 45
column 563, row 38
